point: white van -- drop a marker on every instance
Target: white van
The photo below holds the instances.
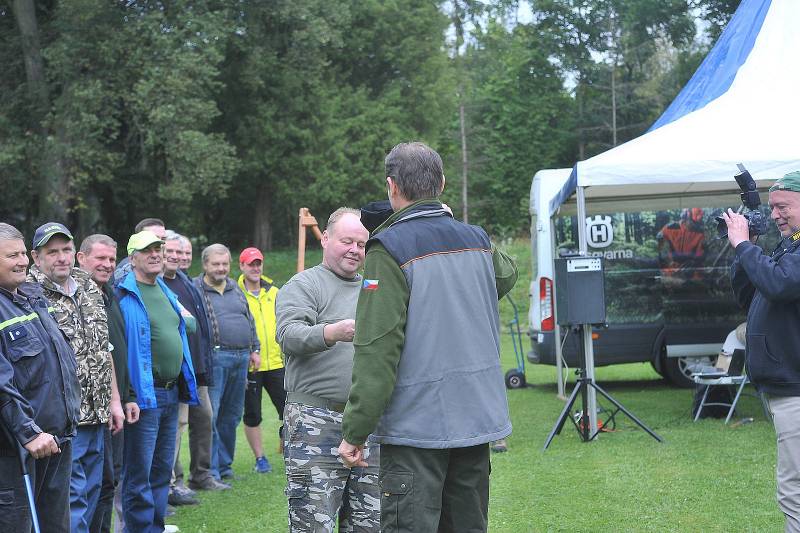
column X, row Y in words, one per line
column 667, row 286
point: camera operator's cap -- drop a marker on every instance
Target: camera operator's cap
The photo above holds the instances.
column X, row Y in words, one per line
column 143, row 239
column 249, row 255
column 790, row 182
column 46, row 231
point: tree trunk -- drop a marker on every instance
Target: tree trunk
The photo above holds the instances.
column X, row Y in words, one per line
column 262, row 225
column 458, row 21
column 53, row 183
column 464, row 166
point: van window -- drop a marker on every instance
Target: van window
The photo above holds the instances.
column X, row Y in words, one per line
column 661, row 265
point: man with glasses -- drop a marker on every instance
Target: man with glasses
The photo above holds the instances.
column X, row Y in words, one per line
column 161, row 373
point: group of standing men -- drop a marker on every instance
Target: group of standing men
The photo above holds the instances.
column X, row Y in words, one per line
column 393, row 385
column 98, row 364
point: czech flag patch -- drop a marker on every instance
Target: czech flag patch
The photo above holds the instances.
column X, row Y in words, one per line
column 370, row 284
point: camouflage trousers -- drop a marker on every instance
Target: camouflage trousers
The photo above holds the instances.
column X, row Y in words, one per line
column 319, row 487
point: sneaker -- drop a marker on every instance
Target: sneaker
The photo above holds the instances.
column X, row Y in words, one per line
column 209, row 484
column 169, row 528
column 262, row 465
column 499, row 446
column 177, row 498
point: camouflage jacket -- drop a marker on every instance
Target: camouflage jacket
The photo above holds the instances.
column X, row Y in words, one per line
column 82, row 319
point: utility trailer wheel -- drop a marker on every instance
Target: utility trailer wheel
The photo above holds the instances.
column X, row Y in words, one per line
column 515, row 379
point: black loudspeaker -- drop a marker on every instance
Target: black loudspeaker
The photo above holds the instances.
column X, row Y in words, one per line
column 580, row 290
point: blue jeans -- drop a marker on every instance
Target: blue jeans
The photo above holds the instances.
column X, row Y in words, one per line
column 227, row 403
column 87, row 476
column 147, row 468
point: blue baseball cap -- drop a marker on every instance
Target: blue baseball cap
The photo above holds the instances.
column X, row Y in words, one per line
column 48, row 230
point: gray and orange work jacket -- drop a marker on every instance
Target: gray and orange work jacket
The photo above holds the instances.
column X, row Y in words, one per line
column 427, row 369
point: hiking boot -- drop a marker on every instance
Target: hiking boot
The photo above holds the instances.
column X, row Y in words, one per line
column 183, row 489
column 176, row 498
column 499, row 446
column 209, row 484
column 262, row 465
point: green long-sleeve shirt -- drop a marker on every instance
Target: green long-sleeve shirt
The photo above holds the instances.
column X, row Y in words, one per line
column 380, row 334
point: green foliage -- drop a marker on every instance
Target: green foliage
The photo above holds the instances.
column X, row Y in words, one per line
column 225, row 118
column 520, row 122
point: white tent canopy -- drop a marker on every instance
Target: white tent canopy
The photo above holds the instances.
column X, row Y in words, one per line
column 692, row 151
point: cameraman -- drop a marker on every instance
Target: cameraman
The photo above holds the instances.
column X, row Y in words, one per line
column 769, row 287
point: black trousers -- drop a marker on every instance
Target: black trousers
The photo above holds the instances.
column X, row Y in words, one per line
column 272, row 382
column 426, row 491
column 50, row 481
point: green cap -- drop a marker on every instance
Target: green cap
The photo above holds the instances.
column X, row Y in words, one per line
column 143, row 239
column 790, row 182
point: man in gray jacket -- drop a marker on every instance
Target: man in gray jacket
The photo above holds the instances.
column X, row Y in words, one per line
column 315, row 327
column 427, row 382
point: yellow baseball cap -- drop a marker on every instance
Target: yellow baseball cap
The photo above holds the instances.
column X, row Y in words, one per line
column 143, row 239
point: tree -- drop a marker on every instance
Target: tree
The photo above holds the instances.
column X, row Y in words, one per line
column 522, row 122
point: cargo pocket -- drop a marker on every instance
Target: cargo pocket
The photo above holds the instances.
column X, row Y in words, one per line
column 397, row 506
column 27, row 367
column 301, row 508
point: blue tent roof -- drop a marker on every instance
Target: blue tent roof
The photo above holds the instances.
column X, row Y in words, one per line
column 716, row 72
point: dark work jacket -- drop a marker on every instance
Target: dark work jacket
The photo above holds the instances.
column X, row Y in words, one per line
column 768, row 286
column 116, row 336
column 39, row 389
column 200, row 340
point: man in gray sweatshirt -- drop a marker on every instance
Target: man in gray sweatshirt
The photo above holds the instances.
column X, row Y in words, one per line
column 315, row 327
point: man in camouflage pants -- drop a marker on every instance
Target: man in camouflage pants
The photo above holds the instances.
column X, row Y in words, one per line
column 80, row 312
column 315, row 325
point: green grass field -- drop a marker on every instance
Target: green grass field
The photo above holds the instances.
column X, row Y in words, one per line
column 704, row 477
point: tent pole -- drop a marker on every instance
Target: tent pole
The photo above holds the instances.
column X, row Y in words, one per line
column 557, row 330
column 587, row 328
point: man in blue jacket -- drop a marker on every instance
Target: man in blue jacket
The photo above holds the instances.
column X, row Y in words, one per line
column 39, row 397
column 161, row 373
column 768, row 285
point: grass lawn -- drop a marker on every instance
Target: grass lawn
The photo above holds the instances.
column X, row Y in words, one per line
column 705, row 477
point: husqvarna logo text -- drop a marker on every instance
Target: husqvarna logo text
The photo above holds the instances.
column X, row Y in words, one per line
column 599, row 232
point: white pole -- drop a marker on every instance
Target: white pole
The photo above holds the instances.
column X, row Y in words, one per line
column 557, row 330
column 587, row 328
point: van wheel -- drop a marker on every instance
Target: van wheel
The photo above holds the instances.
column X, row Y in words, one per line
column 679, row 370
column 515, row 379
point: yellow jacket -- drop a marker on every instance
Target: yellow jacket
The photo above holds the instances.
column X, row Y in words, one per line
column 262, row 308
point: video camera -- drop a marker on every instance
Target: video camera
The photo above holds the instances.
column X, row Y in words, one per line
column 756, row 221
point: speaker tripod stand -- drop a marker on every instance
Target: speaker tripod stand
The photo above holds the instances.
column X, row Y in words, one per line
column 582, row 424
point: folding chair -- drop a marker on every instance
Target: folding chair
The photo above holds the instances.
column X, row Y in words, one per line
column 736, row 376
